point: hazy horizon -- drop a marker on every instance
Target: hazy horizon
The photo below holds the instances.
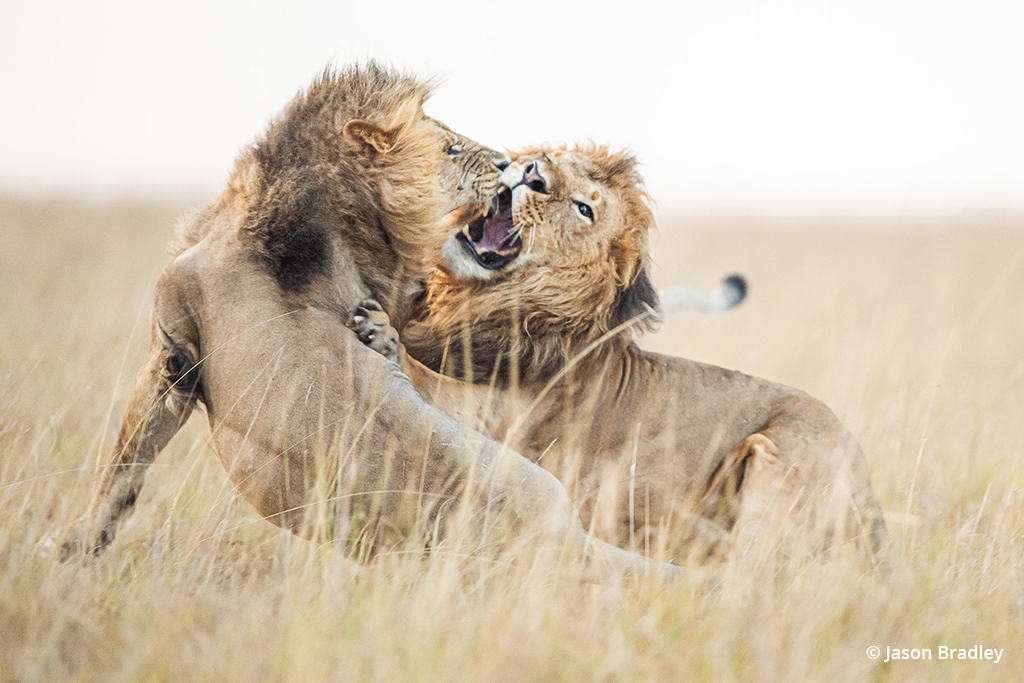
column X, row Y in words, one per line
column 905, row 108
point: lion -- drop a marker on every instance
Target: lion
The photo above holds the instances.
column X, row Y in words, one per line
column 537, row 307
column 345, row 198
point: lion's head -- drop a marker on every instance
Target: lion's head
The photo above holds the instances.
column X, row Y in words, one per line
column 354, row 153
column 469, row 171
column 560, row 260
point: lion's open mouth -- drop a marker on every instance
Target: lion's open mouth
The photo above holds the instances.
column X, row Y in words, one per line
column 491, row 239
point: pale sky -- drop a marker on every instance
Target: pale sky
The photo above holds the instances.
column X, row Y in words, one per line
column 895, row 106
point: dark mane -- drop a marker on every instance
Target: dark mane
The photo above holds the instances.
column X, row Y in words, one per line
column 638, row 299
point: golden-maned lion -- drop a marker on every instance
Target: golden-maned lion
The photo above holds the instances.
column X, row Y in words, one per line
column 538, row 304
column 341, row 201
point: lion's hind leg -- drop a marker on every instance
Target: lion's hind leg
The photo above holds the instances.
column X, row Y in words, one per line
column 743, row 490
column 162, row 399
column 776, row 491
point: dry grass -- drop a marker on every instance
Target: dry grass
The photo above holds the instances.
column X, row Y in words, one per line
column 912, row 333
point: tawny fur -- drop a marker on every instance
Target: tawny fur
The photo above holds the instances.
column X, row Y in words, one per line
column 342, row 200
column 665, row 442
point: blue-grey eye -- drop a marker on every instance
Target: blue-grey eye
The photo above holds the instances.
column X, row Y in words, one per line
column 584, row 210
column 453, row 150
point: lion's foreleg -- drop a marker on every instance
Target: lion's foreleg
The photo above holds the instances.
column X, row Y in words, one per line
column 543, row 504
column 160, row 403
column 535, row 497
column 488, row 473
column 481, row 406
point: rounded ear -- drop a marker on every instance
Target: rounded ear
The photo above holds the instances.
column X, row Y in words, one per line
column 368, row 139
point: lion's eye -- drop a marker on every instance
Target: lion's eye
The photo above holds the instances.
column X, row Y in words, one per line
column 584, row 210
column 454, row 149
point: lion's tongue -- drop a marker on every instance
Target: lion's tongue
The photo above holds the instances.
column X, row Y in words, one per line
column 497, row 234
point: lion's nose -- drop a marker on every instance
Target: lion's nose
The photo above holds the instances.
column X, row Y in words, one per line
column 534, row 180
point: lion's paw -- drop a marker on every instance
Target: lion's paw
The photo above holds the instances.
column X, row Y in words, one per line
column 78, row 543
column 373, row 327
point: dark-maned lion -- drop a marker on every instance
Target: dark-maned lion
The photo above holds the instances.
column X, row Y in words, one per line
column 539, row 304
column 342, row 200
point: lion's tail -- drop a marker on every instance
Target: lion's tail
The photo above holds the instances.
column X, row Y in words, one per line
column 729, row 294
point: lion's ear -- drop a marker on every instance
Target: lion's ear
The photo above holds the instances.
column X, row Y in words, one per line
column 368, row 139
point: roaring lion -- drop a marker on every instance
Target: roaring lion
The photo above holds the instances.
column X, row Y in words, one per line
column 537, row 306
column 344, row 199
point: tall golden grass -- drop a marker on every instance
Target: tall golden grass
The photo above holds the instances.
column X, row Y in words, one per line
column 912, row 332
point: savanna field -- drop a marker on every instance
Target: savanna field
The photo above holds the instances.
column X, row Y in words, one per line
column 912, row 331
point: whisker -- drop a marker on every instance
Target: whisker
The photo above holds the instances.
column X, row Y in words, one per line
column 533, row 238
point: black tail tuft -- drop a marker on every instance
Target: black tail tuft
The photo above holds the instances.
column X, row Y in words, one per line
column 736, row 287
